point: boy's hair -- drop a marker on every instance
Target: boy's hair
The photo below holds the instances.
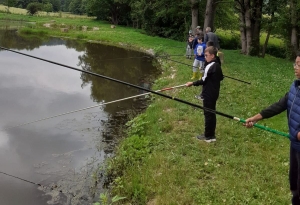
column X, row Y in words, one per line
column 211, row 50
column 201, row 36
column 298, row 54
column 209, row 43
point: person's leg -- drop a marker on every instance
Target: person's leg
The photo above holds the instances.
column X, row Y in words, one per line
column 195, row 69
column 210, row 122
column 187, row 51
column 294, row 175
column 210, row 118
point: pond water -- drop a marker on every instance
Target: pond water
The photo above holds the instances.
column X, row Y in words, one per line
column 62, row 153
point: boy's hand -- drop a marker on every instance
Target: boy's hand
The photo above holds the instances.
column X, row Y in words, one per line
column 298, row 136
column 188, row 84
column 252, row 120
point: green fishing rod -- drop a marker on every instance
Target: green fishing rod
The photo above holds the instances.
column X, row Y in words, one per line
column 151, row 91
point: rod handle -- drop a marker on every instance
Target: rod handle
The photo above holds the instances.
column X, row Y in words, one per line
column 265, row 128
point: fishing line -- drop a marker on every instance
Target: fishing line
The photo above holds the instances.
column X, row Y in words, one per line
column 151, row 91
column 66, row 113
column 125, row 58
column 223, row 75
column 38, row 184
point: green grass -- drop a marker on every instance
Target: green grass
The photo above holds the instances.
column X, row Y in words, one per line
column 245, row 166
column 161, row 162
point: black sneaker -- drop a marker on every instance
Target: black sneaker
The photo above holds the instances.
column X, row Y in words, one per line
column 199, row 97
column 206, row 139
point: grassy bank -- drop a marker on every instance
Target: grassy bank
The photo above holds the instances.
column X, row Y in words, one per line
column 161, row 162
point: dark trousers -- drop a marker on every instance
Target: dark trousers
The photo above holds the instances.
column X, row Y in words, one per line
column 210, row 118
column 294, row 175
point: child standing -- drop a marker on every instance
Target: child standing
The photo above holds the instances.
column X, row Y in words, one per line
column 209, row 43
column 211, row 81
column 189, row 50
column 199, row 57
column 290, row 103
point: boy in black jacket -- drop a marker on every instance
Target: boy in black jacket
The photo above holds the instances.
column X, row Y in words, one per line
column 211, row 80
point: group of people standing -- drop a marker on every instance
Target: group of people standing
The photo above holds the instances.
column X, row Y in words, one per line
column 205, row 49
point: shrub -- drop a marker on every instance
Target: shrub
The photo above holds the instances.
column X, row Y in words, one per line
column 229, row 40
column 34, row 7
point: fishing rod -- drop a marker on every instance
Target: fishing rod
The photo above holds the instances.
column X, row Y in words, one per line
column 151, row 91
column 223, row 75
column 119, row 100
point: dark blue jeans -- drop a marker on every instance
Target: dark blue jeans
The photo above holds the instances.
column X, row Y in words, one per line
column 294, row 175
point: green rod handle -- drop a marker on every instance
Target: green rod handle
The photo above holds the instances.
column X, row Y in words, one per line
column 265, row 128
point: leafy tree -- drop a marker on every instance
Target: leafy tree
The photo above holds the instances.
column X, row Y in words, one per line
column 55, row 5
column 77, row 7
column 48, row 7
column 250, row 14
column 115, row 11
column 10, row 3
column 270, row 8
column 33, row 8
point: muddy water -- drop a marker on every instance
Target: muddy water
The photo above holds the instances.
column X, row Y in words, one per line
column 63, row 153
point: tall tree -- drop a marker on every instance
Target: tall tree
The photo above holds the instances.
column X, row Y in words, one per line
column 250, row 14
column 195, row 13
column 10, row 3
column 270, row 7
column 294, row 26
column 210, row 14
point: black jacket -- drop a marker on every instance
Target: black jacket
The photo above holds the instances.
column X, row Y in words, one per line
column 211, row 80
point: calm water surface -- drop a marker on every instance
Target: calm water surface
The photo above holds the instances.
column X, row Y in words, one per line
column 61, row 153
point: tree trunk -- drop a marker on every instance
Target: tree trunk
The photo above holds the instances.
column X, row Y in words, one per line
column 240, row 7
column 194, row 9
column 209, row 14
column 256, row 27
column 268, row 35
column 250, row 13
column 248, row 26
column 294, row 36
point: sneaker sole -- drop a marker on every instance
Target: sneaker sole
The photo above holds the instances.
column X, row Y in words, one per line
column 210, row 140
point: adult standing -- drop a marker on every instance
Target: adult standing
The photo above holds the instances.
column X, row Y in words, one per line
column 198, row 29
column 210, row 36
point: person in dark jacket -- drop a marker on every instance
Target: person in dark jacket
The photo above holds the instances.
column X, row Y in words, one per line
column 211, row 81
column 291, row 103
column 209, row 43
column 210, row 36
column 195, row 42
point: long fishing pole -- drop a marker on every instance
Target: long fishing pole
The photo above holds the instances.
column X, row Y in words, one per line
column 119, row 100
column 151, row 91
column 223, row 75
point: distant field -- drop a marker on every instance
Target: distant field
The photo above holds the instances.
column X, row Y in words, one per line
column 41, row 13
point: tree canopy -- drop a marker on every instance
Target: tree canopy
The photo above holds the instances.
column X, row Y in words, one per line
column 173, row 19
